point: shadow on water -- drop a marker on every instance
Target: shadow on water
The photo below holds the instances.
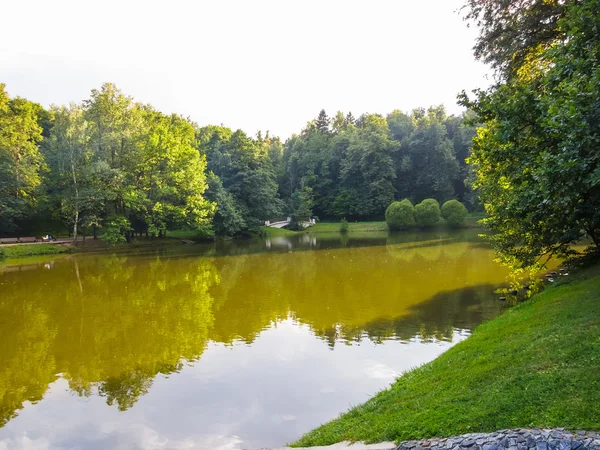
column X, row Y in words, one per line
column 436, row 319
column 109, row 324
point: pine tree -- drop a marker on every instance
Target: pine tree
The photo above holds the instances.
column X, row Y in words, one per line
column 322, row 122
column 350, row 119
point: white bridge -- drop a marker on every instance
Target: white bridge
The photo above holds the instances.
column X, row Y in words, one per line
column 284, row 223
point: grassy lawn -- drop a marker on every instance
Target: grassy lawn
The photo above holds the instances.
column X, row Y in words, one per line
column 22, row 251
column 537, row 365
column 333, row 227
column 275, row 232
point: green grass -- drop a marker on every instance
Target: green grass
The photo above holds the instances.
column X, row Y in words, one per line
column 192, row 235
column 361, row 227
column 537, row 365
column 275, row 232
column 334, row 227
column 22, row 251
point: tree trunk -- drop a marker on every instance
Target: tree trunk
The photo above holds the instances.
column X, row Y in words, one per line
column 76, row 204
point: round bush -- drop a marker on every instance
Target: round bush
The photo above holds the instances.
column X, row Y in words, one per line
column 427, row 213
column 344, row 225
column 400, row 215
column 454, row 212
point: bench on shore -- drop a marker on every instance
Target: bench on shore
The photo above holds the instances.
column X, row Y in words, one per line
column 18, row 240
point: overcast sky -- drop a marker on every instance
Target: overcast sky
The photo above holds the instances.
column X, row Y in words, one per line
column 250, row 64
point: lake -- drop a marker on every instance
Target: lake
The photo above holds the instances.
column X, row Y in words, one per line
column 239, row 344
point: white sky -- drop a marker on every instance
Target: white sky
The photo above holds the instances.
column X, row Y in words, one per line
column 250, row 64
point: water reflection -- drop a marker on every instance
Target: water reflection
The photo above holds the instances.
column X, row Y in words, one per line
column 107, row 326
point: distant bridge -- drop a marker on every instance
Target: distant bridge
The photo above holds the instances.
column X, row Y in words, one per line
column 286, row 222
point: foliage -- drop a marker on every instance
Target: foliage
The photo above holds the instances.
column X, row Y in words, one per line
column 523, row 369
column 301, row 207
column 512, row 34
column 454, row 212
column 400, row 215
column 356, row 168
column 228, row 220
column 110, row 157
column 427, row 213
column 246, row 171
column 537, row 159
column 21, row 163
column 2, row 253
column 82, row 165
column 344, row 225
column 115, row 229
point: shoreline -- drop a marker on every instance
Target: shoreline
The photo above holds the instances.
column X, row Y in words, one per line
column 533, row 366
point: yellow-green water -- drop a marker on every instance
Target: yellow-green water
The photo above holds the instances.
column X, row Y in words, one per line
column 230, row 345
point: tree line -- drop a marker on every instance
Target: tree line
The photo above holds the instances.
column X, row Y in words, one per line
column 114, row 167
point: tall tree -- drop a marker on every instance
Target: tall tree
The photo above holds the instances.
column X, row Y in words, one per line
column 246, row 171
column 21, row 162
column 322, row 122
column 536, row 159
column 513, row 34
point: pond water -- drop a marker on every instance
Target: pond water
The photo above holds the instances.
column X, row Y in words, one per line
column 232, row 345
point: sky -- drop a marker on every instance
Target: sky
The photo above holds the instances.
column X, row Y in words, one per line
column 250, row 64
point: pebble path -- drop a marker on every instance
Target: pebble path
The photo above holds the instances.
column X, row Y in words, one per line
column 517, row 439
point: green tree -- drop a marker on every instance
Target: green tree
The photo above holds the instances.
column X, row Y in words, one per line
column 536, row 159
column 513, row 34
column 166, row 184
column 21, row 163
column 246, row 171
column 69, row 157
column 344, row 226
column 427, row 213
column 301, row 206
column 322, row 122
column 427, row 165
column 367, row 171
column 400, row 215
column 454, row 212
column 228, row 220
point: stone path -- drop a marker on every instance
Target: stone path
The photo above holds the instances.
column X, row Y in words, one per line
column 517, row 439
column 347, row 446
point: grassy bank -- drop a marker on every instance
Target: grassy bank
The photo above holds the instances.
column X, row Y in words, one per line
column 537, row 365
column 471, row 221
column 275, row 232
column 23, row 251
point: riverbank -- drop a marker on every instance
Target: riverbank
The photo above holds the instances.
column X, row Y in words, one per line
column 537, row 365
column 26, row 250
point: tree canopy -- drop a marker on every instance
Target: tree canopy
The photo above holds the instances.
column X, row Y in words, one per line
column 536, row 158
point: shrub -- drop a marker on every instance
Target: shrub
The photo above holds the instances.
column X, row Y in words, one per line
column 2, row 253
column 400, row 215
column 427, row 213
column 343, row 225
column 115, row 230
column 454, row 212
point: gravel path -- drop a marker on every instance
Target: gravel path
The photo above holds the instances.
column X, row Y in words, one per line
column 517, row 439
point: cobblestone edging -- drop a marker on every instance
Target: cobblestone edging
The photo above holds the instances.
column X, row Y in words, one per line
column 517, row 439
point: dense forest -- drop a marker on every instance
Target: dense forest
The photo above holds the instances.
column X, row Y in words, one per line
column 115, row 168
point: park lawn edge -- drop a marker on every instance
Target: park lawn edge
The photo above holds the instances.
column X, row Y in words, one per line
column 536, row 365
column 27, row 250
